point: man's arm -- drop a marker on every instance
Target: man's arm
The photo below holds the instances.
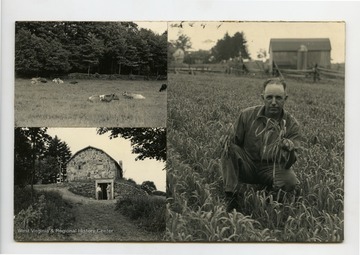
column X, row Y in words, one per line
column 239, row 130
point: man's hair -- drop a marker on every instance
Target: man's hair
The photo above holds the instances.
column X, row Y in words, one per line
column 275, row 81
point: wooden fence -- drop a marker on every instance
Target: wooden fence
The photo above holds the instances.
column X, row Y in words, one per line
column 310, row 72
column 258, row 69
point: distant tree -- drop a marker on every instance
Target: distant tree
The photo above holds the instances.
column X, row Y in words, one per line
column 49, row 48
column 22, row 158
column 130, row 180
column 30, row 149
column 146, row 142
column 58, row 153
column 183, row 42
column 148, row 186
column 47, row 170
column 37, row 55
column 231, row 47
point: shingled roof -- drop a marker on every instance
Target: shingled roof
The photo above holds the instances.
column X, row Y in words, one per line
column 293, row 44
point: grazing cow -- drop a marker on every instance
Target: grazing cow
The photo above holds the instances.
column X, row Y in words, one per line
column 37, row 80
column 57, row 80
column 73, row 82
column 108, row 98
column 133, row 96
column 163, row 87
column 103, row 98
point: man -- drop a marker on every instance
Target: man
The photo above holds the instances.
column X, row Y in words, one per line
column 316, row 74
column 99, row 192
column 108, row 191
column 263, row 146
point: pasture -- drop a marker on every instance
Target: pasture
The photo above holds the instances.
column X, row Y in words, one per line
column 65, row 105
column 201, row 109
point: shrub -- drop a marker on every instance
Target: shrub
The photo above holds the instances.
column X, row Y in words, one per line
column 147, row 211
column 49, row 211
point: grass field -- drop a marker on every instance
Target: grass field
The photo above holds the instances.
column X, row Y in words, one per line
column 200, row 111
column 66, row 105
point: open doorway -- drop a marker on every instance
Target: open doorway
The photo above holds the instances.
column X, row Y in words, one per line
column 104, row 189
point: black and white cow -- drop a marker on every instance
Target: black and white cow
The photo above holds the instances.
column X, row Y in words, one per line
column 103, row 98
column 163, row 87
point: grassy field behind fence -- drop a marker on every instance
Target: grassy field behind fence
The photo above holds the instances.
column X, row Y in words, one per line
column 200, row 110
column 64, row 105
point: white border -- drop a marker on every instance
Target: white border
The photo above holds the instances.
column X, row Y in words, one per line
column 170, row 10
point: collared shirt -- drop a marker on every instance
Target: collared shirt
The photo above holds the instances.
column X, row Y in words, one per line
column 259, row 135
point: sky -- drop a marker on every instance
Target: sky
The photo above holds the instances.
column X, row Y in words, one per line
column 118, row 149
column 158, row 27
column 204, row 35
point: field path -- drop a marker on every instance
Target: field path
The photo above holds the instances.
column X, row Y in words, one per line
column 97, row 220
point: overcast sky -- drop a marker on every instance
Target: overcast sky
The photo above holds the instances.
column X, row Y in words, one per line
column 158, row 27
column 118, row 149
column 204, row 35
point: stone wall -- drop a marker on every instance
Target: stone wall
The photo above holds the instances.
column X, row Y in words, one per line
column 121, row 189
column 91, row 164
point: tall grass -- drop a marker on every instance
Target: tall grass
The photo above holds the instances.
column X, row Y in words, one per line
column 54, row 105
column 37, row 218
column 147, row 211
column 201, row 109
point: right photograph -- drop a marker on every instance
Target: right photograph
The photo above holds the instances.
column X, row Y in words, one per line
column 255, row 132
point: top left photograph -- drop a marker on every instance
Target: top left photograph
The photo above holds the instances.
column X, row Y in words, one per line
column 90, row 74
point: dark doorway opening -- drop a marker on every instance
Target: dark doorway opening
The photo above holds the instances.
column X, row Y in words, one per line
column 103, row 187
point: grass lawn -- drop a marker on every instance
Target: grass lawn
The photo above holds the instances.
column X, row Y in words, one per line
column 66, row 105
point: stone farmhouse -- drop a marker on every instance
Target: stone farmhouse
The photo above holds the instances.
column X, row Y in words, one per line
column 94, row 165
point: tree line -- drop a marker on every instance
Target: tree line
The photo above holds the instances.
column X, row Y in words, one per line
column 38, row 157
column 229, row 47
column 57, row 48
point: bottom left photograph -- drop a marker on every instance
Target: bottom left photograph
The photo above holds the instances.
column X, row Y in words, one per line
column 89, row 184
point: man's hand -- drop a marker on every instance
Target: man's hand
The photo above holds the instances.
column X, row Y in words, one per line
column 287, row 145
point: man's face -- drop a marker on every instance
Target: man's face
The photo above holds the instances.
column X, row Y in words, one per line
column 274, row 99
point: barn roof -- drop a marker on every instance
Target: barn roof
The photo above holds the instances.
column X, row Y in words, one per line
column 293, row 44
column 90, row 147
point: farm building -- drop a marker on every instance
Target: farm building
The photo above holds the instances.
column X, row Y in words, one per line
column 92, row 164
column 299, row 53
column 179, row 55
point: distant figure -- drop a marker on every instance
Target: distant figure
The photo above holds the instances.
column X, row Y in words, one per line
column 163, row 87
column 99, row 192
column 108, row 191
column 316, row 74
column 73, row 82
column 275, row 71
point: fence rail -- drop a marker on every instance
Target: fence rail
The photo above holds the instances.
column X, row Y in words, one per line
column 257, row 69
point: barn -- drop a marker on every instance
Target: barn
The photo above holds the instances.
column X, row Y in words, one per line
column 300, row 53
column 94, row 165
